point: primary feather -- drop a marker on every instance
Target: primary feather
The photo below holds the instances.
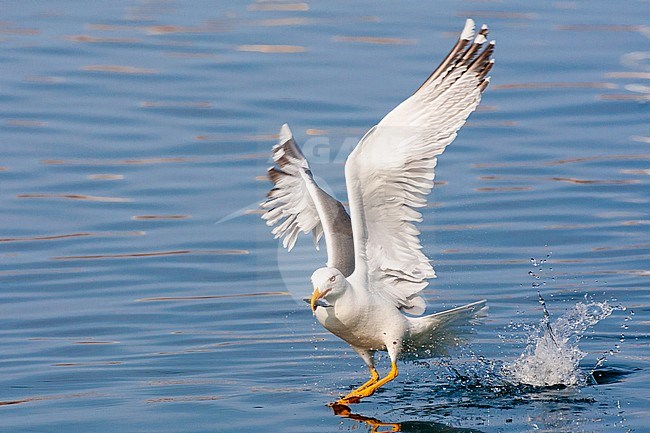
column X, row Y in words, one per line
column 297, row 204
column 391, row 171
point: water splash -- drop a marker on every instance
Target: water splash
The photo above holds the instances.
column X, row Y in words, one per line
column 552, row 355
column 551, row 359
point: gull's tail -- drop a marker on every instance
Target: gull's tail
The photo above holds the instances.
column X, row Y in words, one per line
column 435, row 334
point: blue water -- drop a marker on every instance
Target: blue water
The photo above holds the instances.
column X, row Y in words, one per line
column 140, row 291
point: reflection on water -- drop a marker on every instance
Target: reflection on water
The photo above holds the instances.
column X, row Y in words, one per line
column 77, row 197
column 272, row 48
column 374, row 425
column 374, row 40
column 150, row 254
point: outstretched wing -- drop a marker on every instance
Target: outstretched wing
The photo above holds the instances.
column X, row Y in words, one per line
column 391, row 171
column 296, row 203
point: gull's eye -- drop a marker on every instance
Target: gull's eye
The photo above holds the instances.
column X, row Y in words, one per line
column 332, row 278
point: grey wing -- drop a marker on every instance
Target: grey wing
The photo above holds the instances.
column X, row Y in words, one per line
column 296, row 203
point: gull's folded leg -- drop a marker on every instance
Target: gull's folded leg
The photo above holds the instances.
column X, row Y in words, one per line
column 374, row 378
column 368, row 357
column 369, row 390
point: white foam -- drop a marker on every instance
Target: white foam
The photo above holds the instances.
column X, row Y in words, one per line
column 552, row 355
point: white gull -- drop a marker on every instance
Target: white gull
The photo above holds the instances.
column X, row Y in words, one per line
column 376, row 270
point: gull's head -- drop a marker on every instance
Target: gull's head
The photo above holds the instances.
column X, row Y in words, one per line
column 329, row 284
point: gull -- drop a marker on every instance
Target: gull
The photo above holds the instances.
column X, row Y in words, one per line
column 370, row 292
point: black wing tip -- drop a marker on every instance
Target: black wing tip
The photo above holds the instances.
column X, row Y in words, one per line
column 271, row 193
column 469, row 52
column 275, row 174
column 482, row 65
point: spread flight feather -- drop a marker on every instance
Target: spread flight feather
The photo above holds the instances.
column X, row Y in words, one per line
column 388, row 176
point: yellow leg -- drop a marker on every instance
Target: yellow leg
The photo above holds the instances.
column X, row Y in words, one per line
column 369, row 388
column 374, row 377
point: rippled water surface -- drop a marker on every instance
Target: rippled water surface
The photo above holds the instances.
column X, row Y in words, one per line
column 140, row 291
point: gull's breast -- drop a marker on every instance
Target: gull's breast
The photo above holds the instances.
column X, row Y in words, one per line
column 371, row 326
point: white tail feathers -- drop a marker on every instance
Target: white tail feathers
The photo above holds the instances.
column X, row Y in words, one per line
column 435, row 334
